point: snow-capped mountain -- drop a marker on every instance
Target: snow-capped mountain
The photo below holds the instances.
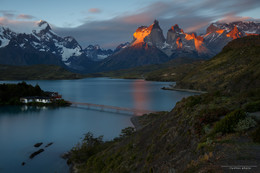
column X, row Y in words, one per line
column 219, row 34
column 40, row 46
column 96, row 53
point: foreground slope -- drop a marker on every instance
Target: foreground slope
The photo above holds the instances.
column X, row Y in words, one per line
column 203, row 133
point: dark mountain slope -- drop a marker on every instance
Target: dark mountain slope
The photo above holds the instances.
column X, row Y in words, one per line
column 138, row 55
column 13, row 55
column 36, row 72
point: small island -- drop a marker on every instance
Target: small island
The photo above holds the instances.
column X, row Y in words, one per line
column 26, row 94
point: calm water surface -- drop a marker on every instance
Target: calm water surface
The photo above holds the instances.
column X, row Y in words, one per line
column 21, row 127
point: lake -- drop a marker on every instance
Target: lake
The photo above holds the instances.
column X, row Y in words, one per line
column 22, row 127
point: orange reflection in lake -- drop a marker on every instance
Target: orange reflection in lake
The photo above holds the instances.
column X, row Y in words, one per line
column 140, row 95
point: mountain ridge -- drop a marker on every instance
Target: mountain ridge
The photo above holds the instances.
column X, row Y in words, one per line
column 42, row 46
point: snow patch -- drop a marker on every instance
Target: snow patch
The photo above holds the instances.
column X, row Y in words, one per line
column 250, row 32
column 38, row 29
column 4, row 42
column 66, row 53
column 22, row 45
column 67, row 63
column 102, row 56
column 36, row 44
column 165, row 45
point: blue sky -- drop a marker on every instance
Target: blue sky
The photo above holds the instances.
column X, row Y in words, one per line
column 109, row 23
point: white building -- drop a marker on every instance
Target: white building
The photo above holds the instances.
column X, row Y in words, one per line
column 37, row 99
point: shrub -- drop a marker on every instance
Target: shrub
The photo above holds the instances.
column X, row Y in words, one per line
column 193, row 100
column 229, row 122
column 245, row 124
column 128, row 131
column 89, row 147
column 209, row 115
column 253, row 106
column 256, row 135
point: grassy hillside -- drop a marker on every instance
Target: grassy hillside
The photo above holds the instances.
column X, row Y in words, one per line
column 36, row 72
column 203, row 133
column 236, row 68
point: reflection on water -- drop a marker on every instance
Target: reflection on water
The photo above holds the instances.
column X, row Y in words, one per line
column 22, row 109
column 140, row 95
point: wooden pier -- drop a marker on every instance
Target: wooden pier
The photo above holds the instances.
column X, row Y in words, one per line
column 117, row 109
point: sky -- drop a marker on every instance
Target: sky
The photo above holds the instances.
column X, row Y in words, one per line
column 109, row 23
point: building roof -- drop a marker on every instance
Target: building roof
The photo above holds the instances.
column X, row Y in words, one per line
column 35, row 97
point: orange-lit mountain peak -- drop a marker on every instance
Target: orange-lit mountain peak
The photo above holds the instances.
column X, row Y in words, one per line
column 179, row 43
column 198, row 42
column 190, row 36
column 141, row 33
column 248, row 34
column 177, row 29
column 234, row 33
column 220, row 31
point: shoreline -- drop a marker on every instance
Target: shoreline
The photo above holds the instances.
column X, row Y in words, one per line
column 134, row 120
column 184, row 90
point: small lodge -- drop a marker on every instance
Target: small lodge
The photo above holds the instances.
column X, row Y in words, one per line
column 51, row 96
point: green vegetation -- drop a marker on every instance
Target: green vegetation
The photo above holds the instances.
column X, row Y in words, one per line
column 245, row 124
column 256, row 136
column 202, row 132
column 10, row 94
column 229, row 122
column 253, row 106
column 36, row 72
column 89, row 146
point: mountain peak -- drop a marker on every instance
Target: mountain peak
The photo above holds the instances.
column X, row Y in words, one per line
column 151, row 35
column 41, row 22
column 42, row 25
column 155, row 24
column 176, row 29
column 234, row 33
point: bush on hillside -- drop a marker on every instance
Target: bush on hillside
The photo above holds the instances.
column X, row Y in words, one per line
column 229, row 122
column 253, row 106
column 256, row 135
column 245, row 124
column 90, row 146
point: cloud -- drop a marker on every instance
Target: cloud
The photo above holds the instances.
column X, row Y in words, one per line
column 232, row 17
column 94, row 10
column 191, row 16
column 25, row 16
column 7, row 14
column 12, row 15
column 18, row 25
